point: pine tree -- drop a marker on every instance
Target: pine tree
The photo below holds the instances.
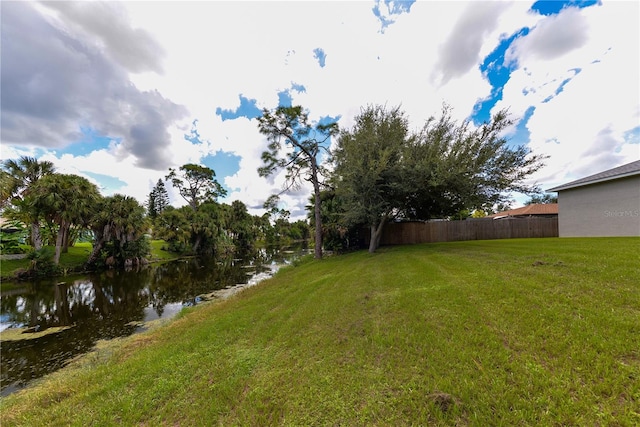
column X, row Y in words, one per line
column 161, row 197
column 152, row 211
column 158, row 200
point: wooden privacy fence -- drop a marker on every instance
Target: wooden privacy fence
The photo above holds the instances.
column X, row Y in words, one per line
column 406, row 233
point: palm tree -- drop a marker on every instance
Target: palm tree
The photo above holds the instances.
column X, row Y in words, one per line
column 65, row 200
column 17, row 180
column 119, row 219
column 7, row 182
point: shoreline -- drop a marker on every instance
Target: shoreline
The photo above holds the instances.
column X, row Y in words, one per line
column 219, row 295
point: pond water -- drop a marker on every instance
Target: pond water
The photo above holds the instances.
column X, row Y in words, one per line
column 114, row 303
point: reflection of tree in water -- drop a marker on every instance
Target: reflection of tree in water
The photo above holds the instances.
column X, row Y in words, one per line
column 95, row 309
column 181, row 281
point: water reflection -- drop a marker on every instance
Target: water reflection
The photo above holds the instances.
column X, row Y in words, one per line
column 109, row 305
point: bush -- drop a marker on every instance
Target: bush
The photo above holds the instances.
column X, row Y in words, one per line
column 42, row 263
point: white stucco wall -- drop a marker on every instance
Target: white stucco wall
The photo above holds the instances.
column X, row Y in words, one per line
column 610, row 208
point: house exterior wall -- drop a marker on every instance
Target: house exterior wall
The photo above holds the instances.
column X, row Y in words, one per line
column 610, row 208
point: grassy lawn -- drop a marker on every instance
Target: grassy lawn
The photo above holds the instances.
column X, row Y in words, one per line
column 503, row 332
column 159, row 252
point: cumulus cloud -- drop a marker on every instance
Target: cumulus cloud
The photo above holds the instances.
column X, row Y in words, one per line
column 460, row 52
column 553, row 37
column 133, row 48
column 55, row 82
column 128, row 77
column 582, row 119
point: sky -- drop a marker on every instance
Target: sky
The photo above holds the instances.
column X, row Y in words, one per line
column 119, row 92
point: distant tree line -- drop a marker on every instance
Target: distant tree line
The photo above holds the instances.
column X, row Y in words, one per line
column 206, row 227
column 378, row 171
column 62, row 208
column 59, row 209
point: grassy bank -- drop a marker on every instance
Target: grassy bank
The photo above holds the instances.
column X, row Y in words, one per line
column 504, row 332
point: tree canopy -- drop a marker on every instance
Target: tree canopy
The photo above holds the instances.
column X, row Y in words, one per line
column 17, row 179
column 64, row 200
column 196, row 184
column 382, row 171
column 542, row 198
column 368, row 167
column 456, row 167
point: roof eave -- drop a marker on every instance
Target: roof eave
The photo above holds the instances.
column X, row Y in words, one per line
column 595, row 181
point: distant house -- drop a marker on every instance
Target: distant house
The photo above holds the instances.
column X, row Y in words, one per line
column 538, row 210
column 604, row 204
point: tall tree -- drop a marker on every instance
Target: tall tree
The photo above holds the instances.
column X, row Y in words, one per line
column 455, row 167
column 295, row 145
column 118, row 219
column 65, row 200
column 162, row 197
column 158, row 200
column 199, row 187
column 382, row 171
column 368, row 168
column 196, row 184
column 17, row 179
column 240, row 226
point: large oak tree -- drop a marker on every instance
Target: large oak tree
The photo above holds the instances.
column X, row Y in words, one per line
column 368, row 168
column 382, row 171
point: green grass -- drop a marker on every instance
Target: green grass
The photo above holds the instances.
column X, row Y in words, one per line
column 72, row 260
column 504, row 332
column 160, row 254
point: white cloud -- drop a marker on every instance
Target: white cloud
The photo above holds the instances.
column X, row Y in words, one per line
column 211, row 52
column 133, row 48
column 553, row 37
column 461, row 50
column 582, row 127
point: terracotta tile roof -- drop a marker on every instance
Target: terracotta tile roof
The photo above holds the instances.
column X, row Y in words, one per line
column 629, row 169
column 529, row 210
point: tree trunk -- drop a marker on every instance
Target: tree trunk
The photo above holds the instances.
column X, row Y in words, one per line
column 97, row 247
column 36, row 236
column 65, row 240
column 318, row 216
column 59, row 239
column 196, row 244
column 376, row 235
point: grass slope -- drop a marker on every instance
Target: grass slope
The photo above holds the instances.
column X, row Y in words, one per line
column 504, row 332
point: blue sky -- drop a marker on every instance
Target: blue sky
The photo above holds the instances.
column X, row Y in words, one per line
column 121, row 91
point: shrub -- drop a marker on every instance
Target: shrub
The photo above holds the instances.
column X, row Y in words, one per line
column 42, row 263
